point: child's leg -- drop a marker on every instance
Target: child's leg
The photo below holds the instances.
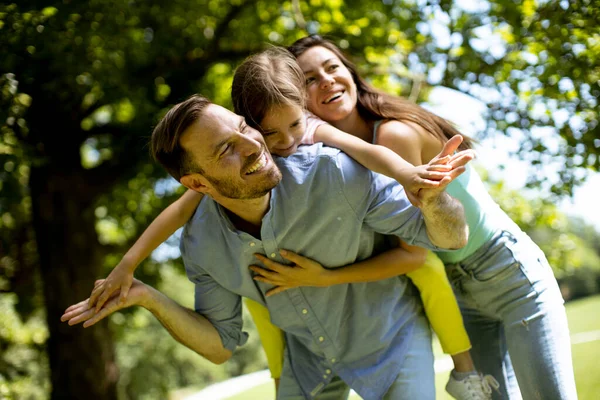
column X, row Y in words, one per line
column 271, row 337
column 442, row 310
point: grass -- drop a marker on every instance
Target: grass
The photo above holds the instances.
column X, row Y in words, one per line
column 584, row 316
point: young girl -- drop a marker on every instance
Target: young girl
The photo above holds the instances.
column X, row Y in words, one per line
column 510, row 300
column 268, row 90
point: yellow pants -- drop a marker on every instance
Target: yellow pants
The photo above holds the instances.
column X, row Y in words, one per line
column 440, row 305
column 438, row 299
column 271, row 337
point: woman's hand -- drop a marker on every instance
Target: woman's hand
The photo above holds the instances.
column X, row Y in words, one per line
column 304, row 272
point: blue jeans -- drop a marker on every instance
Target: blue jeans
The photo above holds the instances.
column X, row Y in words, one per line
column 416, row 379
column 515, row 317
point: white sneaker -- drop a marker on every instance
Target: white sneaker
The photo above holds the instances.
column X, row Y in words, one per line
column 474, row 387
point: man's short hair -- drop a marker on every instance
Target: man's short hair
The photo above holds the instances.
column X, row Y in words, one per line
column 164, row 144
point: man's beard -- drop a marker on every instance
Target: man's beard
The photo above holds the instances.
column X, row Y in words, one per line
column 226, row 187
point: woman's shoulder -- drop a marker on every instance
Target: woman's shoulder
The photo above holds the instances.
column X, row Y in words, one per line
column 391, row 131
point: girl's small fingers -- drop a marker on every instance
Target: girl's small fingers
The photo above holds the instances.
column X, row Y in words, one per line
column 96, row 293
column 263, row 273
column 265, row 280
column 102, row 300
column 260, row 271
column 272, row 265
column 124, row 293
column 294, row 257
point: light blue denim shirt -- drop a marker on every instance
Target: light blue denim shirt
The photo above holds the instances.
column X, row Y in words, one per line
column 333, row 210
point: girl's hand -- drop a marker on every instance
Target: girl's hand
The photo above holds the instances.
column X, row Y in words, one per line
column 304, row 272
column 83, row 311
column 120, row 278
column 452, row 164
column 426, row 176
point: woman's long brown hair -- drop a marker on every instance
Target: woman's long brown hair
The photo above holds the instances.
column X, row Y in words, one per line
column 374, row 104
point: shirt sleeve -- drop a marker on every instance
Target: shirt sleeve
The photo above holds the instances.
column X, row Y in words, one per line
column 220, row 306
column 312, row 123
column 381, row 203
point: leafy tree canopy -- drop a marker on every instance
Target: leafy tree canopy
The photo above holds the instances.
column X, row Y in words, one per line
column 83, row 83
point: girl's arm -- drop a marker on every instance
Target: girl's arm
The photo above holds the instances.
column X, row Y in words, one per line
column 307, row 272
column 168, row 221
column 383, row 160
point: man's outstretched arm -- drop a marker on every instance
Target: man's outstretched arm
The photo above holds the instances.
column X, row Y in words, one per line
column 443, row 214
column 385, row 208
column 445, row 221
column 186, row 326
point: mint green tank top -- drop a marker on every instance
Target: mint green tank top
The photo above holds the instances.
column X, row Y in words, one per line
column 483, row 215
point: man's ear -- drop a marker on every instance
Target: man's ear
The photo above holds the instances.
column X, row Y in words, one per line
column 195, row 182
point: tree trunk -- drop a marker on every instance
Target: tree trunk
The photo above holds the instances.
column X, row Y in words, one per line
column 82, row 361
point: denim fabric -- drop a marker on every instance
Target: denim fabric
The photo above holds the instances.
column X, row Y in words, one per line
column 515, row 317
column 336, row 389
column 333, row 210
column 416, row 379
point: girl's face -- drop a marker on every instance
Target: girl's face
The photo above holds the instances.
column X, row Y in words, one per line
column 330, row 88
column 283, row 128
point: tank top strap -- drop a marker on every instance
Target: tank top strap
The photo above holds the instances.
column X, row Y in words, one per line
column 375, row 129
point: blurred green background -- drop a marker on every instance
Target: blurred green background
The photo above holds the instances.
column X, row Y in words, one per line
column 83, row 83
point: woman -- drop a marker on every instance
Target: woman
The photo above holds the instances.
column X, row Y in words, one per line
column 510, row 300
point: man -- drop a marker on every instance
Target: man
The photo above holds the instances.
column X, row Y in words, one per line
column 372, row 337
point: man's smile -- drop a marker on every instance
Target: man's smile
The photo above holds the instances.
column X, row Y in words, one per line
column 258, row 165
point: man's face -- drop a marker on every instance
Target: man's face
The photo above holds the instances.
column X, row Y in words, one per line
column 233, row 156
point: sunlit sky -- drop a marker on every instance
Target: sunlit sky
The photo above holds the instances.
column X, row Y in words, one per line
column 467, row 113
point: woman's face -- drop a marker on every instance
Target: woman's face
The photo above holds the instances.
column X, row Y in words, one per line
column 330, row 88
column 283, row 128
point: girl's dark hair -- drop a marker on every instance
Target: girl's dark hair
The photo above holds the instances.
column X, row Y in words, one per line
column 374, row 104
column 269, row 78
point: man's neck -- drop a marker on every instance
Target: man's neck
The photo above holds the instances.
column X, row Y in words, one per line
column 246, row 215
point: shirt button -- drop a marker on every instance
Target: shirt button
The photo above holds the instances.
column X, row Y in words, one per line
column 252, row 244
column 328, row 371
column 304, row 311
column 333, row 360
column 321, row 339
column 273, row 255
